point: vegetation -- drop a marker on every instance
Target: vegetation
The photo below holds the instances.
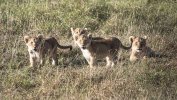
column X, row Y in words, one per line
column 151, row 79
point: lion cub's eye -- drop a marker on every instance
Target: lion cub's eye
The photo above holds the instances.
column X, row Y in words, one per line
column 141, row 44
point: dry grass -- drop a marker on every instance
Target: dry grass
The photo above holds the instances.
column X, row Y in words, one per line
column 154, row 78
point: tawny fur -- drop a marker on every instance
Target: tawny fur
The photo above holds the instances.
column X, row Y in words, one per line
column 40, row 47
column 99, row 49
column 139, row 49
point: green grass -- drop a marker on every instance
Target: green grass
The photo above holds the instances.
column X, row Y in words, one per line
column 151, row 79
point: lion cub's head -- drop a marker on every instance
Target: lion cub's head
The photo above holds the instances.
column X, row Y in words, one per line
column 138, row 43
column 77, row 32
column 84, row 40
column 33, row 42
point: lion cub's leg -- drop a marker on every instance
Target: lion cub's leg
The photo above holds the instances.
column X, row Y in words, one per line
column 54, row 57
column 133, row 58
column 42, row 60
column 31, row 62
column 114, row 59
column 54, row 60
column 112, row 65
column 41, row 57
column 110, row 62
column 91, row 62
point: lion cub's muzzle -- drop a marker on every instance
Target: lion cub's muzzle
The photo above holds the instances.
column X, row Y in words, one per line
column 141, row 46
column 83, row 47
column 35, row 48
column 139, row 50
column 32, row 51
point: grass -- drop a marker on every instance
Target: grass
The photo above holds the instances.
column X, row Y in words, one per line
column 154, row 78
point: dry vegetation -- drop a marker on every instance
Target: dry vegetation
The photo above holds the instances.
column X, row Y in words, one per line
column 151, row 79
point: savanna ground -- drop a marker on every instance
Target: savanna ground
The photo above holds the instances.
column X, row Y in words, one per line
column 151, row 79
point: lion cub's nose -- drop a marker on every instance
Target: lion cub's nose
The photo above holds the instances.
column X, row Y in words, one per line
column 31, row 51
column 139, row 50
column 35, row 49
column 83, row 47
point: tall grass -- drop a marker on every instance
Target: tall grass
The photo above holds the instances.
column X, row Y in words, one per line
column 154, row 78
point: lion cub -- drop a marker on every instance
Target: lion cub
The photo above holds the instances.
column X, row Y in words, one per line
column 38, row 47
column 79, row 31
column 99, row 49
column 139, row 48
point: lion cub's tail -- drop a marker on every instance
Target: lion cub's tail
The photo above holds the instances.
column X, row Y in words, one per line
column 52, row 40
column 64, row 47
column 126, row 48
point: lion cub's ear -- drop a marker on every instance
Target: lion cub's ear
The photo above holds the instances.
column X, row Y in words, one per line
column 131, row 38
column 84, row 31
column 72, row 30
column 26, row 38
column 89, row 36
column 145, row 37
column 40, row 37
